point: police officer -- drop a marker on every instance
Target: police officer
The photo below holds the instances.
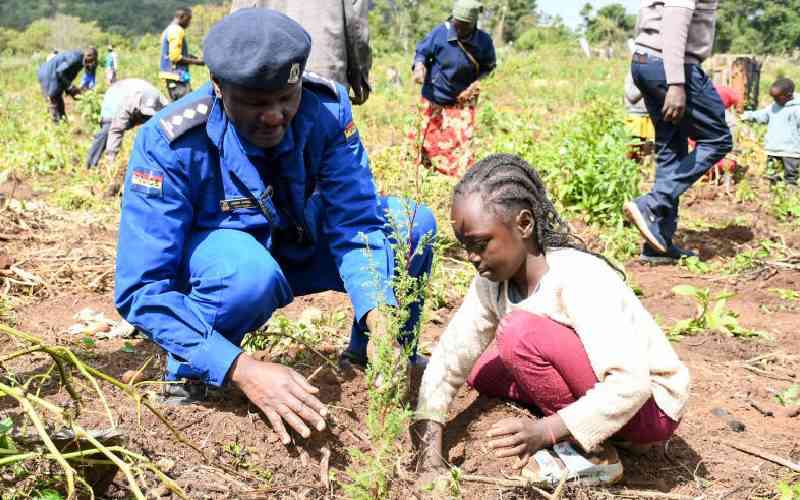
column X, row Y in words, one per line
column 252, row 190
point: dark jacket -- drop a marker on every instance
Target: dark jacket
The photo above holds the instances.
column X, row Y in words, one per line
column 449, row 70
column 57, row 74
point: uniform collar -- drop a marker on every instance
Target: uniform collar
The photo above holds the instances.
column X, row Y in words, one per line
column 452, row 36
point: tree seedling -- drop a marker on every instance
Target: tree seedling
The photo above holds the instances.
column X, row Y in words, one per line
column 789, row 397
column 712, row 314
column 786, row 294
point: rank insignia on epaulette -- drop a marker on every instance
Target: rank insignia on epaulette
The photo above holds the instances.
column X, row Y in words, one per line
column 294, row 74
column 315, row 79
column 183, row 119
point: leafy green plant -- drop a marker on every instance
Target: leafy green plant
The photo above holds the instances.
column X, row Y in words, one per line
column 788, row 491
column 47, row 495
column 585, row 165
column 785, row 204
column 388, row 412
column 237, row 453
column 281, row 333
column 6, row 311
column 6, row 425
column 89, row 105
column 712, row 314
column 789, row 397
column 621, row 243
column 751, row 259
column 694, row 265
column 786, row 294
column 744, row 192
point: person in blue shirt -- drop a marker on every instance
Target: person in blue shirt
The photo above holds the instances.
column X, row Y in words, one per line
column 449, row 63
column 252, row 190
column 57, row 74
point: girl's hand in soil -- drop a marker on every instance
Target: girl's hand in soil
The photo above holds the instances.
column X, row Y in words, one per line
column 433, row 475
column 281, row 393
column 426, row 437
column 522, row 437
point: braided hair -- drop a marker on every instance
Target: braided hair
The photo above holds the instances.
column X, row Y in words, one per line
column 509, row 183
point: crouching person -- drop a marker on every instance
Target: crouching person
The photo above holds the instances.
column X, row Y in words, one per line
column 549, row 325
column 250, row 191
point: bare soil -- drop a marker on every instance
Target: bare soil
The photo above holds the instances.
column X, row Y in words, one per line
column 695, row 462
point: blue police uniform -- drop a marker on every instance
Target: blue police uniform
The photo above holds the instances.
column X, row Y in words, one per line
column 449, row 70
column 216, row 234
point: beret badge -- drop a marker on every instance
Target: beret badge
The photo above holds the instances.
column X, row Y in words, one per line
column 294, row 74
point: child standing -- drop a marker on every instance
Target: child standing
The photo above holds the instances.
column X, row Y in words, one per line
column 570, row 337
column 783, row 131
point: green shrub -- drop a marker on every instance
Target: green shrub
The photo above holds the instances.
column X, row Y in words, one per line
column 544, row 35
column 585, row 167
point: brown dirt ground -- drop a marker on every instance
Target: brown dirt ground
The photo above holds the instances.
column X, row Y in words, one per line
column 695, row 462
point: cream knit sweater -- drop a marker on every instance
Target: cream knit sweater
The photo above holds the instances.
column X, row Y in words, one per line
column 629, row 353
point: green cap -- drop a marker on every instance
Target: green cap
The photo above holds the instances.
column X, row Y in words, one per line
column 467, row 10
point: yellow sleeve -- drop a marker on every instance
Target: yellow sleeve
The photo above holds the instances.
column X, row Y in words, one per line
column 175, row 36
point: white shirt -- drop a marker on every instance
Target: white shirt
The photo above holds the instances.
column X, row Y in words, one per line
column 630, row 355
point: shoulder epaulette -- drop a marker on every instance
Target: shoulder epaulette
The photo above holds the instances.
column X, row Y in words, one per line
column 183, row 118
column 313, row 80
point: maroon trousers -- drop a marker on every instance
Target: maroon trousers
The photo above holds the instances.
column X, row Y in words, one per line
column 538, row 362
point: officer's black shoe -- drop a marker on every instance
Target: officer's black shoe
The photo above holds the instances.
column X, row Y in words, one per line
column 351, row 359
column 674, row 254
column 184, row 393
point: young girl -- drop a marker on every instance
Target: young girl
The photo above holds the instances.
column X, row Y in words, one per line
column 571, row 339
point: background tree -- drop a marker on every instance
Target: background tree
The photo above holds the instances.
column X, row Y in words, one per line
column 124, row 17
column 758, row 26
column 611, row 23
column 508, row 19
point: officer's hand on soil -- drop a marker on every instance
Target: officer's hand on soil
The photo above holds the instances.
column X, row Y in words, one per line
column 674, row 103
column 419, row 74
column 281, row 393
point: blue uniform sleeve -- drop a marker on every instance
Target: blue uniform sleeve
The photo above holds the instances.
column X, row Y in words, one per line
column 157, row 215
column 353, row 224
column 489, row 59
column 425, row 50
column 88, row 81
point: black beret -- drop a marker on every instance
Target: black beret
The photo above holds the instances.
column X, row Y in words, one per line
column 258, row 49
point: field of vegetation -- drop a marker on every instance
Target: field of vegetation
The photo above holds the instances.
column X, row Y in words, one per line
column 76, row 393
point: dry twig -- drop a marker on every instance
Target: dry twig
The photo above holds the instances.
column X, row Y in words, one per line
column 771, row 457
